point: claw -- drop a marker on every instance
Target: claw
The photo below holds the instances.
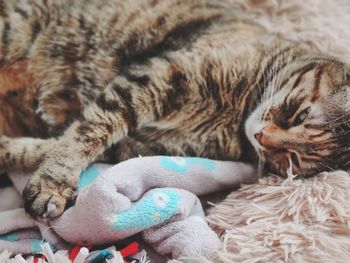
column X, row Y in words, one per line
column 50, row 209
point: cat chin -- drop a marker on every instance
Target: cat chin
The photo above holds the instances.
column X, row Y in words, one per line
column 252, row 127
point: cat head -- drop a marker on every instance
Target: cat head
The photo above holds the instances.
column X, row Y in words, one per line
column 303, row 119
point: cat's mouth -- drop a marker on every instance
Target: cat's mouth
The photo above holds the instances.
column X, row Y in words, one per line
column 280, row 160
column 272, row 152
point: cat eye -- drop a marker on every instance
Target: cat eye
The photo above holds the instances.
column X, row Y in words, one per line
column 300, row 118
column 294, row 158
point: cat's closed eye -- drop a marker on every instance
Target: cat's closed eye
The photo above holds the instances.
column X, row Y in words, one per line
column 294, row 158
column 301, row 117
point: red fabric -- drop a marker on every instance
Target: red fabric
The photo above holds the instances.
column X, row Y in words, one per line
column 74, row 252
column 130, row 250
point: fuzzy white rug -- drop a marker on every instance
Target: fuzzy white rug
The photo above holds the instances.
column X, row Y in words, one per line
column 286, row 221
column 323, row 23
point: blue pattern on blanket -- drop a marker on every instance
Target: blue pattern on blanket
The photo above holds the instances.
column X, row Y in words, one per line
column 88, row 176
column 9, row 237
column 36, row 248
column 156, row 206
column 182, row 164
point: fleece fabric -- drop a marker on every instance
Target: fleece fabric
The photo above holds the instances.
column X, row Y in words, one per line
column 156, row 196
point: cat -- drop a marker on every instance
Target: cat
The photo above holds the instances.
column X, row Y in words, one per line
column 110, row 80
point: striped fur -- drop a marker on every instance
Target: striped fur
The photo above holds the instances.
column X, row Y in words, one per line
column 109, row 80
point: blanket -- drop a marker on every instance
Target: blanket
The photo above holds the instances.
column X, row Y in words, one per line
column 155, row 196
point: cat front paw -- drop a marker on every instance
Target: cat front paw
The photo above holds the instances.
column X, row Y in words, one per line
column 48, row 192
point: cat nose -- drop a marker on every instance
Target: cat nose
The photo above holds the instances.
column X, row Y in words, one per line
column 258, row 137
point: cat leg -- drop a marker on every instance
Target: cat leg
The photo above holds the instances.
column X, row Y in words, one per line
column 23, row 153
column 122, row 108
column 26, row 153
column 56, row 179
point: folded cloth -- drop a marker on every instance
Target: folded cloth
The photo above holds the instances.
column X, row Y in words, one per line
column 20, row 233
column 153, row 195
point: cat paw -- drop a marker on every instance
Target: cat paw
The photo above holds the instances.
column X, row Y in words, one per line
column 46, row 195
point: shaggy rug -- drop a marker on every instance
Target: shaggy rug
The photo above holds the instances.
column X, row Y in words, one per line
column 322, row 23
column 286, row 221
column 291, row 220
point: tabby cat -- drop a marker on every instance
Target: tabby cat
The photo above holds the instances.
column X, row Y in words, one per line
column 109, row 80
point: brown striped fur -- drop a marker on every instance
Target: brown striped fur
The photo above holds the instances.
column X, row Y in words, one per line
column 110, row 80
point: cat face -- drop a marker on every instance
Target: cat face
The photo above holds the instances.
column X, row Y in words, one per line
column 303, row 119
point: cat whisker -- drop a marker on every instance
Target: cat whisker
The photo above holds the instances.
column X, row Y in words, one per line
column 327, row 167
